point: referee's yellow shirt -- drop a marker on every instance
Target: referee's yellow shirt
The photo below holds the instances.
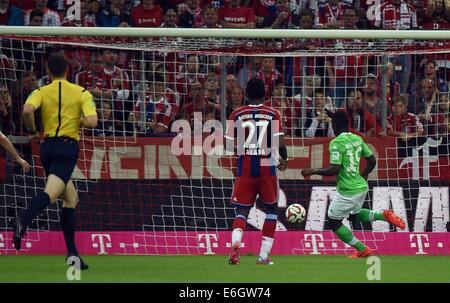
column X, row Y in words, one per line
column 61, row 105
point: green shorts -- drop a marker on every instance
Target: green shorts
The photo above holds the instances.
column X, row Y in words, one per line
column 342, row 206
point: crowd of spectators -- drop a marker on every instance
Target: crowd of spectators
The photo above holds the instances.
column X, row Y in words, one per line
column 386, row 14
column 176, row 85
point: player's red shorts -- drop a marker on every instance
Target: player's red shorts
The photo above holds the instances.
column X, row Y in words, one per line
column 246, row 188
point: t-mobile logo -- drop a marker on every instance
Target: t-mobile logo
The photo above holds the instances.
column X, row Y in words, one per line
column 104, row 241
column 316, row 242
column 419, row 243
column 209, row 238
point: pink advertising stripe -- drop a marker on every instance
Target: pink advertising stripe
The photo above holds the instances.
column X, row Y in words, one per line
column 173, row 243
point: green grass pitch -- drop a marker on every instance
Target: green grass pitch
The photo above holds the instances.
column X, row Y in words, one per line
column 204, row 269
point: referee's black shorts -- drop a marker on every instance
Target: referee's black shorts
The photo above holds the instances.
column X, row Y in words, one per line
column 59, row 157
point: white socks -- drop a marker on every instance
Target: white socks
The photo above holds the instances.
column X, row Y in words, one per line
column 266, row 247
column 236, row 236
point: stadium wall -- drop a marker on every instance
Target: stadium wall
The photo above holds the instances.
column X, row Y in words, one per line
column 422, row 158
column 218, row 243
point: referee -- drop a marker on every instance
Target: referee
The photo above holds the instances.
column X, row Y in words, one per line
column 65, row 107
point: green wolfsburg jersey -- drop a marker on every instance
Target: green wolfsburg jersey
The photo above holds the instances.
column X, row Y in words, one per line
column 346, row 150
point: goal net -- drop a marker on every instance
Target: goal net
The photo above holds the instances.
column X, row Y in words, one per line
column 143, row 192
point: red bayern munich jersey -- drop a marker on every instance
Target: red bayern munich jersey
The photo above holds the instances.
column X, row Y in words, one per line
column 240, row 15
column 258, row 124
column 147, row 17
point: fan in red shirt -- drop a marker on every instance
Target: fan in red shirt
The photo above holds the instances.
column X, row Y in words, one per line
column 281, row 17
column 189, row 75
column 361, row 120
column 404, row 124
column 268, row 74
column 90, row 78
column 197, row 102
column 236, row 16
column 331, row 15
column 257, row 127
column 107, row 81
column 4, row 12
column 112, row 76
column 190, row 14
column 157, row 105
column 210, row 17
column 395, row 14
column 436, row 15
column 290, row 109
column 262, row 9
column 147, row 14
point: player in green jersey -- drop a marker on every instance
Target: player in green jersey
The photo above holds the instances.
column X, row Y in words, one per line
column 346, row 151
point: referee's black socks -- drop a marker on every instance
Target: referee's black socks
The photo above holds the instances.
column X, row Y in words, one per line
column 68, row 228
column 37, row 205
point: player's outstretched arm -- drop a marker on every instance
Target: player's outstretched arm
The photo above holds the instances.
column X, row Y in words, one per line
column 7, row 145
column 331, row 170
column 370, row 165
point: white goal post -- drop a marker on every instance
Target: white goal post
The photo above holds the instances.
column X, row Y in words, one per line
column 225, row 33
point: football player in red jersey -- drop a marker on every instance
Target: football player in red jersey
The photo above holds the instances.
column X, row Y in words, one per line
column 237, row 16
column 404, row 124
column 258, row 134
column 147, row 14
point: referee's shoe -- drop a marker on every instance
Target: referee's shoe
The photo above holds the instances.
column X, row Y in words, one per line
column 19, row 231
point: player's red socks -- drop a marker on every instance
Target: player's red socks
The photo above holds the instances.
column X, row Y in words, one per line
column 268, row 231
column 240, row 222
column 270, row 225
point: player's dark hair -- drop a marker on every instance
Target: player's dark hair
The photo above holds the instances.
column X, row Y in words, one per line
column 350, row 8
column 256, row 90
column 320, row 90
column 307, row 12
column 169, row 7
column 57, row 64
column 36, row 13
column 340, row 121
